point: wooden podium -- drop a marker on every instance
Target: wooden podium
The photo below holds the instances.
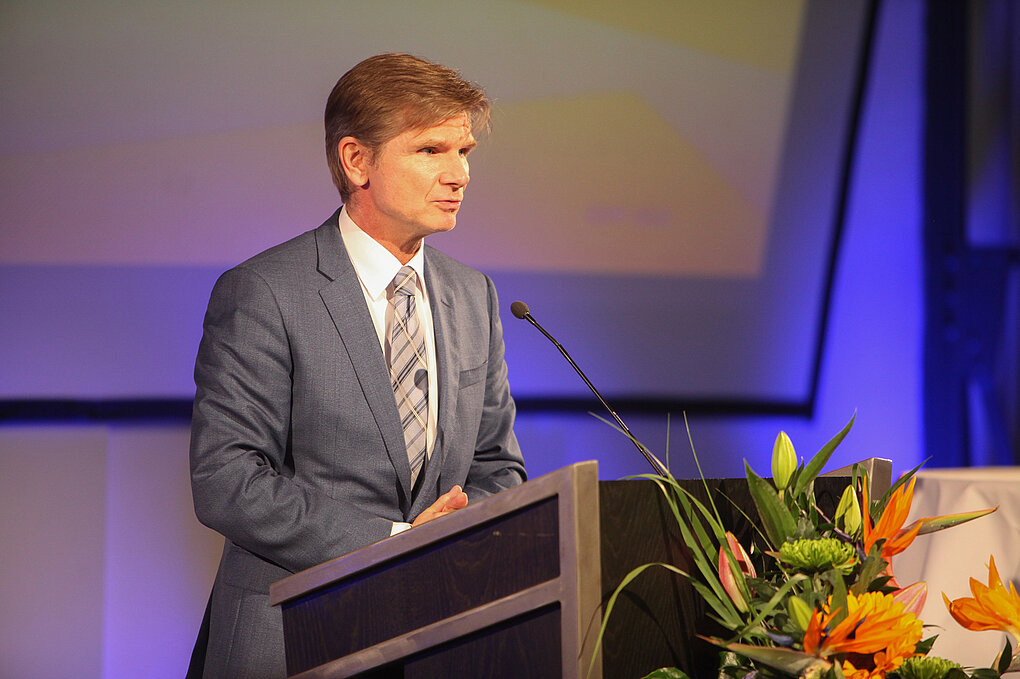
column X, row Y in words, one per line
column 512, row 586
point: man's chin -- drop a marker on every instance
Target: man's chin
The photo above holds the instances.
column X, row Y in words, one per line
column 444, row 226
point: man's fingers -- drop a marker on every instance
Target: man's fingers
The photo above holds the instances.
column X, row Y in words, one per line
column 455, row 498
column 450, row 501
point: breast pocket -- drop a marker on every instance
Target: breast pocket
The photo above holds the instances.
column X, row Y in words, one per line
column 473, row 375
column 470, row 403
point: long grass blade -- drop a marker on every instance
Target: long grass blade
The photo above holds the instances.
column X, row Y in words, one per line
column 627, row 579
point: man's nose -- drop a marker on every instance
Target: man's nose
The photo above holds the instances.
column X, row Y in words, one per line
column 456, row 172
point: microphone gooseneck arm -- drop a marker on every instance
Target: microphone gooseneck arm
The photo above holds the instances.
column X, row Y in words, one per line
column 520, row 310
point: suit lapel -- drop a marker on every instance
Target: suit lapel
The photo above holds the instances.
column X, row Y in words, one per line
column 448, row 375
column 346, row 305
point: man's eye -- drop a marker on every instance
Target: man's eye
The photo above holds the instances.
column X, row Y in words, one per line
column 429, row 150
column 465, row 151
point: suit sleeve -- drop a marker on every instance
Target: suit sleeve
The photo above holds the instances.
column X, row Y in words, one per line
column 497, row 463
column 241, row 472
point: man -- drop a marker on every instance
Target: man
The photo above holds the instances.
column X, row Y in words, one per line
column 351, row 381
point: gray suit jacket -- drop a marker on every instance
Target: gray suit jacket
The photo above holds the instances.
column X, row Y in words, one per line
column 297, row 453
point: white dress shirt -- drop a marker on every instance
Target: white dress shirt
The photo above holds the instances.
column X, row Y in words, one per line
column 376, row 267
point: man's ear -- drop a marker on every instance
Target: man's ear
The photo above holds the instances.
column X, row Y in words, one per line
column 354, row 158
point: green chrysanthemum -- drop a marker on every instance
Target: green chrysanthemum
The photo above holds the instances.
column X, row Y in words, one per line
column 925, row 667
column 817, row 555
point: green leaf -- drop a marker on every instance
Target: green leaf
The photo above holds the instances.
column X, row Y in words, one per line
column 837, row 606
column 924, row 645
column 1004, row 658
column 775, row 602
column 873, row 567
column 711, row 517
column 612, row 602
column 691, row 515
column 778, row 522
column 814, row 467
column 984, row 673
column 1014, row 664
column 750, row 521
column 656, row 463
column 930, row 524
column 697, row 462
column 786, row 660
column 727, row 612
column 667, row 673
column 702, row 548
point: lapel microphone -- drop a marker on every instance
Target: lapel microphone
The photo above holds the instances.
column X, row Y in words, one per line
column 520, row 310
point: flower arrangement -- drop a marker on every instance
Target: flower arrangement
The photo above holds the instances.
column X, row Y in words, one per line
column 823, row 602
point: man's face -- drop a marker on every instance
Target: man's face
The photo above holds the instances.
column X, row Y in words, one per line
column 416, row 182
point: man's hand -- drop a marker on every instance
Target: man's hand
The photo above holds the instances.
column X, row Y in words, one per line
column 450, row 502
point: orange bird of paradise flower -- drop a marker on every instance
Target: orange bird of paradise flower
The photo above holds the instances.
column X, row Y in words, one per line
column 878, row 634
column 992, row 607
column 890, row 524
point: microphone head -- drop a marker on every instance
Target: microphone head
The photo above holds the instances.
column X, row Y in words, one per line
column 519, row 309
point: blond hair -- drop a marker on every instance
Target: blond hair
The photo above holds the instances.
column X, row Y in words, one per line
column 388, row 94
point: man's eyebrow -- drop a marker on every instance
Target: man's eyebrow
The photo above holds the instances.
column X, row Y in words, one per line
column 439, row 141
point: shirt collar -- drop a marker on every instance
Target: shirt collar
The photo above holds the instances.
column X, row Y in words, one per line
column 376, row 266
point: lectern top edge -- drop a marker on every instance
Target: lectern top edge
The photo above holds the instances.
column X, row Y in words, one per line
column 432, row 532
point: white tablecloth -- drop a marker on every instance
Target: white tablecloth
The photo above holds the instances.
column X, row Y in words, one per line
column 947, row 560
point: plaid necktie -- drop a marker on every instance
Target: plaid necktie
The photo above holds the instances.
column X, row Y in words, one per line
column 408, row 368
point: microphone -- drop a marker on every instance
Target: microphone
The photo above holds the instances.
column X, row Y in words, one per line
column 520, row 310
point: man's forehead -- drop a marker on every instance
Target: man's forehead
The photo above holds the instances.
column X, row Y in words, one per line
column 458, row 127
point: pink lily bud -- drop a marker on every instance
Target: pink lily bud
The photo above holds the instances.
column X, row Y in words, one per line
column 744, row 566
column 913, row 597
